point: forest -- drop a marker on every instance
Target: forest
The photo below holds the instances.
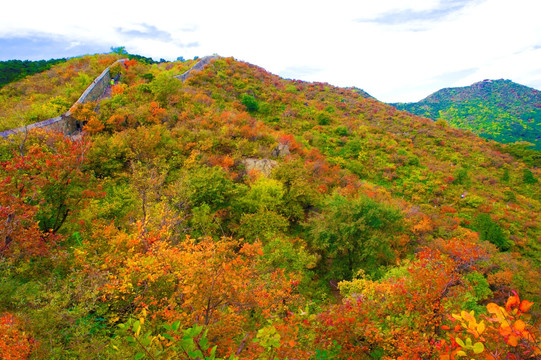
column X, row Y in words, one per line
column 239, row 215
column 13, row 70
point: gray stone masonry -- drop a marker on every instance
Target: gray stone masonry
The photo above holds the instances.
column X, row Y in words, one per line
column 204, row 61
column 65, row 123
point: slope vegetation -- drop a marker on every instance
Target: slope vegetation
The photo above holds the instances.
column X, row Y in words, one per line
column 494, row 109
column 238, row 214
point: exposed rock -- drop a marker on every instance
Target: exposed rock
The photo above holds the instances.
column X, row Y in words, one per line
column 262, row 165
column 280, row 150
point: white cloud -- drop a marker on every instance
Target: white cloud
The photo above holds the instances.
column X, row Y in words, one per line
column 393, row 49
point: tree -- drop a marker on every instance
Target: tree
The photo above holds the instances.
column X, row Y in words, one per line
column 250, row 102
column 353, row 234
column 527, row 177
column 120, row 50
column 491, row 231
column 222, row 285
column 210, row 185
column 41, row 189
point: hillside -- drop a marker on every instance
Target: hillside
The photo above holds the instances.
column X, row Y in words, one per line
column 13, row 70
column 48, row 93
column 494, row 109
column 238, row 214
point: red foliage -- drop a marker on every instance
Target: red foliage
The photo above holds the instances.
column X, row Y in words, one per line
column 46, row 182
column 15, row 344
column 290, row 141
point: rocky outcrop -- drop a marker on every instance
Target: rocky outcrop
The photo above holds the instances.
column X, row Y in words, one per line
column 264, row 166
column 281, row 150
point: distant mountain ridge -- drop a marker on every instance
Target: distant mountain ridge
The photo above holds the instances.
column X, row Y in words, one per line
column 501, row 110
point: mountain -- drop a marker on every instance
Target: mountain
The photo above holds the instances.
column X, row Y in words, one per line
column 230, row 213
column 500, row 110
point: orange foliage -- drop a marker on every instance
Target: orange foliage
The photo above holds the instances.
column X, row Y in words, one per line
column 290, row 141
column 225, row 161
column 218, row 284
column 93, row 126
column 15, row 344
column 118, row 89
column 508, row 335
column 157, row 113
column 425, row 225
column 116, row 121
column 130, row 63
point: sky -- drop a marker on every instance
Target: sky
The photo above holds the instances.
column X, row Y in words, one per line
column 396, row 50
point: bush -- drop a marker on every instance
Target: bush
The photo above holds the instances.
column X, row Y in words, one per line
column 527, row 177
column 250, row 102
column 491, row 231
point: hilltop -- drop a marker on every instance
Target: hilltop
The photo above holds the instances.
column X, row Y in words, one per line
column 494, row 109
column 235, row 213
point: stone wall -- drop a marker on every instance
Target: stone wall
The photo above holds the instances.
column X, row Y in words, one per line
column 65, row 123
column 197, row 67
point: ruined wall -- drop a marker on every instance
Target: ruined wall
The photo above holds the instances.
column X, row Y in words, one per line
column 65, row 123
column 98, row 86
column 197, row 67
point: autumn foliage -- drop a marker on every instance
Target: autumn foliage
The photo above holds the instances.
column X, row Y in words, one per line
column 238, row 215
column 15, row 344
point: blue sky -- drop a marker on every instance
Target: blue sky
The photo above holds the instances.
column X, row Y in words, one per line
column 396, row 50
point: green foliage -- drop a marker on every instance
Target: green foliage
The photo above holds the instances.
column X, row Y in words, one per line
column 14, row 70
column 211, row 186
column 522, row 151
column 164, row 86
column 203, row 221
column 461, row 176
column 262, row 225
column 250, row 102
column 353, row 234
column 269, row 339
column 171, row 342
column 480, row 292
column 495, row 109
column 264, row 194
column 291, row 255
column 491, row 231
column 329, row 354
column 298, row 195
column 527, row 177
column 323, row 118
column 505, row 176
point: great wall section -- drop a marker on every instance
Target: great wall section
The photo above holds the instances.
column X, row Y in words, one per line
column 66, row 124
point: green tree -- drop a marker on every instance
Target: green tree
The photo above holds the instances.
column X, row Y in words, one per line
column 491, row 231
column 210, row 185
column 250, row 102
column 264, row 194
column 120, row 50
column 354, row 234
column 527, row 177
